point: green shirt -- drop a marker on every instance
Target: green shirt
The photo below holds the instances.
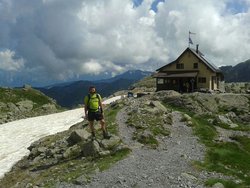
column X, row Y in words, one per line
column 93, row 102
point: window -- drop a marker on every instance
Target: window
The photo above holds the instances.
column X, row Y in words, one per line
column 160, row 81
column 168, row 81
column 195, row 65
column 202, row 79
column 179, row 66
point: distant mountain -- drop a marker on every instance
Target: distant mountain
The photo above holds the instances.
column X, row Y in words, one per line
column 71, row 94
column 129, row 75
column 237, row 73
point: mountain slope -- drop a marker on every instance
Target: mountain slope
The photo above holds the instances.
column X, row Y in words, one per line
column 72, row 94
column 20, row 103
column 237, row 73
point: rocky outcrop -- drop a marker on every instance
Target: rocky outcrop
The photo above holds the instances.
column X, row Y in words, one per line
column 220, row 119
column 69, row 145
column 22, row 103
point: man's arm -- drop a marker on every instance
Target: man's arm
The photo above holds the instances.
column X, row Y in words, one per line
column 100, row 103
column 85, row 107
column 86, row 111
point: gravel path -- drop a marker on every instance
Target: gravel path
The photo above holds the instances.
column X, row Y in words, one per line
column 167, row 166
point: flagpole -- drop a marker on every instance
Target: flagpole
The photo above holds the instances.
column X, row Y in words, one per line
column 188, row 39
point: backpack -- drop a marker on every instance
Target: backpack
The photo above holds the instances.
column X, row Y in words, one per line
column 99, row 100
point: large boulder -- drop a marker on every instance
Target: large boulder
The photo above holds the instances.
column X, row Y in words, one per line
column 2, row 105
column 49, row 107
column 78, row 136
column 110, row 143
column 25, row 105
column 220, row 119
column 12, row 107
column 159, row 106
column 90, row 148
column 72, row 152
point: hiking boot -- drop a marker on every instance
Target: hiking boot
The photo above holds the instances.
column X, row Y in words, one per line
column 106, row 135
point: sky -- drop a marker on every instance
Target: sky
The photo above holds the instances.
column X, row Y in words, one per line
column 52, row 41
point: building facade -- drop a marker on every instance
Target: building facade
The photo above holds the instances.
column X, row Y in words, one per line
column 188, row 73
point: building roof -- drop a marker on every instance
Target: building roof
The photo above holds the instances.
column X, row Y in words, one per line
column 176, row 75
column 200, row 56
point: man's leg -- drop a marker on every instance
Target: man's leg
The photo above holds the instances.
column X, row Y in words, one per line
column 92, row 129
column 103, row 125
column 104, row 129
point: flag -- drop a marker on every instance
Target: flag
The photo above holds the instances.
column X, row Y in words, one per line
column 190, row 41
column 190, row 33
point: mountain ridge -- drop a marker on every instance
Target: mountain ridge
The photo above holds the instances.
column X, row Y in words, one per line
column 71, row 94
column 237, row 73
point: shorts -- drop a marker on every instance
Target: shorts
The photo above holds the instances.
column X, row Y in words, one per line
column 95, row 116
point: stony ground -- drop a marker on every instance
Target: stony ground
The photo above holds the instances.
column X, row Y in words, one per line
column 170, row 165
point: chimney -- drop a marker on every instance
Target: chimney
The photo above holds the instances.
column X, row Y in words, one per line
column 197, row 48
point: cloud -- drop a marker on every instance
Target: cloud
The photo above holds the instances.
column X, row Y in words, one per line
column 8, row 62
column 62, row 40
column 223, row 37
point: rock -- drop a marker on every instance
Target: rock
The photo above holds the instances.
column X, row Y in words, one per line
column 168, row 93
column 49, row 107
column 34, row 145
column 25, row 106
column 189, row 123
column 2, row 105
column 82, row 180
column 104, row 153
column 158, row 105
column 37, row 159
column 110, row 143
column 78, row 136
column 12, row 107
column 121, row 147
column 225, row 120
column 33, row 153
column 189, row 177
column 72, row 152
column 231, row 115
column 90, row 148
column 187, row 117
column 233, row 125
column 218, row 185
column 41, row 149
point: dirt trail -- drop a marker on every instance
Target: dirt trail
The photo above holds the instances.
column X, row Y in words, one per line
column 167, row 166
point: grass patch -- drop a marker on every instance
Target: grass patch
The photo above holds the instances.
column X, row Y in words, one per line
column 16, row 95
column 244, row 142
column 148, row 125
column 204, row 129
column 148, row 140
column 110, row 115
column 241, row 127
column 227, row 158
column 77, row 168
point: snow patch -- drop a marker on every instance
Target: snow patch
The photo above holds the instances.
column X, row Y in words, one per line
column 17, row 136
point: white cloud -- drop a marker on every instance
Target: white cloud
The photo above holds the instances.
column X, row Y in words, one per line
column 223, row 37
column 95, row 67
column 61, row 39
column 8, row 62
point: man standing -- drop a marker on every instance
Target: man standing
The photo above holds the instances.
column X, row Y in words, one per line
column 94, row 111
